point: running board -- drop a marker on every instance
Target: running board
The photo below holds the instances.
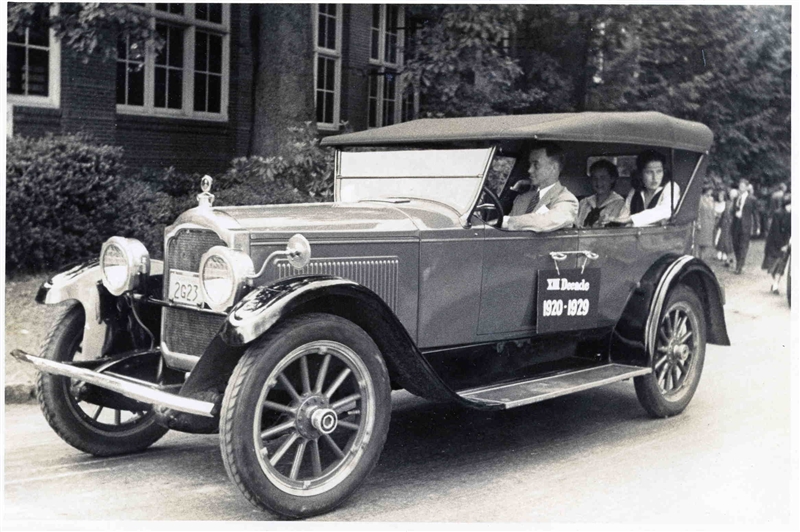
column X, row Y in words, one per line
column 514, row 394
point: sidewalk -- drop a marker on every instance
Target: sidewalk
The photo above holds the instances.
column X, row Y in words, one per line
column 27, row 322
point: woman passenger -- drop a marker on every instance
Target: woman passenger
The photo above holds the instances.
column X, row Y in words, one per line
column 605, row 204
column 654, row 200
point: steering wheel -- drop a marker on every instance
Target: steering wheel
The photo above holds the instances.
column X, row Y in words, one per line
column 493, row 205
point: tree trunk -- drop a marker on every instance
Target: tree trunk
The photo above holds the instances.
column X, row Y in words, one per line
column 284, row 77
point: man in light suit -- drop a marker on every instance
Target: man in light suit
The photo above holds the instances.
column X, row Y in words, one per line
column 548, row 206
column 743, row 211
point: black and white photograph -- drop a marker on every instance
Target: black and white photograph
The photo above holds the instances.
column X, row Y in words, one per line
column 413, row 265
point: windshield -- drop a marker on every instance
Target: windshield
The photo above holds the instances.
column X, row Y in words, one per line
column 452, row 177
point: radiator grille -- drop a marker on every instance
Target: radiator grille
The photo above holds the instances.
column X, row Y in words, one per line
column 379, row 274
column 183, row 330
column 189, row 332
column 185, row 249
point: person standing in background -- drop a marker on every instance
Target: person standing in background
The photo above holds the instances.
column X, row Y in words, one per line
column 775, row 202
column 762, row 214
column 742, row 226
column 725, row 241
column 719, row 210
column 776, row 247
column 704, row 237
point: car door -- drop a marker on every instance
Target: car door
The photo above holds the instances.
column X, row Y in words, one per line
column 620, row 264
column 511, row 261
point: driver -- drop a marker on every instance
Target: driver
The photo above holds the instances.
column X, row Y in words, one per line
column 548, row 206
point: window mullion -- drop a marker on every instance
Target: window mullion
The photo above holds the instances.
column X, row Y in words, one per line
column 381, row 82
column 189, row 40
column 150, row 72
column 382, row 38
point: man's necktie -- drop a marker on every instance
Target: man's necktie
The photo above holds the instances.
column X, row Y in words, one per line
column 533, row 202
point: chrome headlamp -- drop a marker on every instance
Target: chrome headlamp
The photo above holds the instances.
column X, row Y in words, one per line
column 122, row 263
column 224, row 274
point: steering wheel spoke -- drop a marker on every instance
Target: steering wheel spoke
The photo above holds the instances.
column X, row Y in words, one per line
column 494, row 205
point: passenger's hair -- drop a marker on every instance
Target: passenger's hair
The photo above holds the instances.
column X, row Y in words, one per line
column 648, row 156
column 747, row 181
column 551, row 149
column 608, row 166
column 642, row 160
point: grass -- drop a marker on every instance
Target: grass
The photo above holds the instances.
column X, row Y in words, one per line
column 26, row 325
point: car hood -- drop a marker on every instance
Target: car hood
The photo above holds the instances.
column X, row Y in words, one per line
column 375, row 219
column 319, row 219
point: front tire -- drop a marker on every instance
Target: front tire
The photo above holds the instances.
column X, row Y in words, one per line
column 305, row 415
column 679, row 355
column 89, row 428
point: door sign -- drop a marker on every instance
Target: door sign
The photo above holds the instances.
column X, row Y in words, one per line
column 567, row 299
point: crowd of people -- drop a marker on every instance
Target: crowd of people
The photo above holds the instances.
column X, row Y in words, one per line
column 728, row 219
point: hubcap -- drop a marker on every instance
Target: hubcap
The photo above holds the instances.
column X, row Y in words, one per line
column 324, row 420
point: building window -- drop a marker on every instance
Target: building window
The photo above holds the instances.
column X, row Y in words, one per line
column 189, row 76
column 207, row 72
column 385, row 85
column 33, row 66
column 169, row 69
column 130, row 74
column 327, row 64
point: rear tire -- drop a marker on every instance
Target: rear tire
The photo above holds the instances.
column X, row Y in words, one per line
column 679, row 355
column 89, row 428
column 305, row 415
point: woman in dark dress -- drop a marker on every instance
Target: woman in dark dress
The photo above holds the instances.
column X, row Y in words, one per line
column 725, row 240
column 775, row 250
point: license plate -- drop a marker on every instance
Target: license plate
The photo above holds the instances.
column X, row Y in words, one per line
column 184, row 288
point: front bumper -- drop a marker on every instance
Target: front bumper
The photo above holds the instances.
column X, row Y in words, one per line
column 138, row 390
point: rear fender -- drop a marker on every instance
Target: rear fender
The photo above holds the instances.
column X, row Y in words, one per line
column 634, row 336
column 83, row 285
column 264, row 307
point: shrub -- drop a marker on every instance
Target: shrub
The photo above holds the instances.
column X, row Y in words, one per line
column 66, row 195
column 260, row 194
column 307, row 167
column 147, row 212
column 61, row 200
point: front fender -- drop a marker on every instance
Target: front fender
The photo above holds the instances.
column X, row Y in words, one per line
column 82, row 284
column 262, row 308
column 634, row 336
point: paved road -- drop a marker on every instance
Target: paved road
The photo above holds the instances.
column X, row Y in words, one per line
column 588, row 458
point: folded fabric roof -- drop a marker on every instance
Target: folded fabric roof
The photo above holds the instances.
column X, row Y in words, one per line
column 647, row 127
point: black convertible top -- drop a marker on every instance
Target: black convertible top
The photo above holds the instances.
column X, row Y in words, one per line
column 647, row 127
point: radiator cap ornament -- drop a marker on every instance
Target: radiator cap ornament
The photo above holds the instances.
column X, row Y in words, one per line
column 205, row 199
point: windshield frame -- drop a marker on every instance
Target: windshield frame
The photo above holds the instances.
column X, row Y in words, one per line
column 464, row 217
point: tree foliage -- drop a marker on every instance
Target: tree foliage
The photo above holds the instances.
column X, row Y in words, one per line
column 89, row 28
column 460, row 66
column 728, row 67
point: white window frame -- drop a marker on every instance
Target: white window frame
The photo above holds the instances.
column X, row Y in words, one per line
column 191, row 25
column 53, row 98
column 335, row 55
column 381, row 66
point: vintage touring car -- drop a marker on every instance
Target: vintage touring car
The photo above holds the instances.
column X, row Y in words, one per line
column 285, row 328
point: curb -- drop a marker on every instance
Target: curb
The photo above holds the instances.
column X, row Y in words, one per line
column 20, row 393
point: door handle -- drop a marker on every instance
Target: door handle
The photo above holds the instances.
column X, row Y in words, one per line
column 558, row 256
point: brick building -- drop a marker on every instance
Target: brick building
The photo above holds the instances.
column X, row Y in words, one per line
column 194, row 105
